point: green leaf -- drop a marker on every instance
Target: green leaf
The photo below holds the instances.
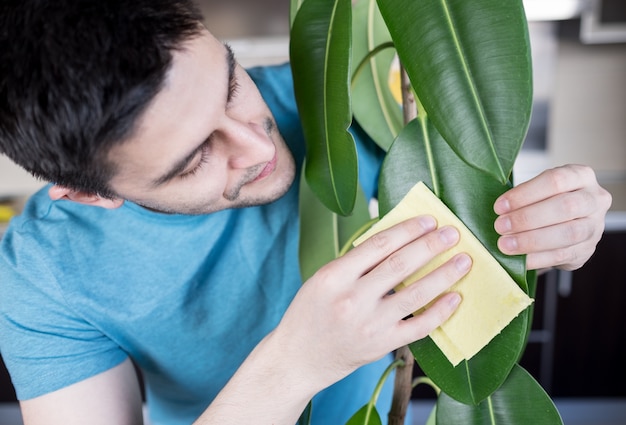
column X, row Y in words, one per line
column 520, row 401
column 320, row 53
column 366, row 415
column 294, row 6
column 469, row 63
column 474, row 380
column 420, row 153
column 323, row 233
column 432, row 418
column 375, row 108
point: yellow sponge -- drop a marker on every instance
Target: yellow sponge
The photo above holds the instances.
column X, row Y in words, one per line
column 491, row 298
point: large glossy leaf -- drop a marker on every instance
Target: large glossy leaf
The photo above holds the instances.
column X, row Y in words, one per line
column 469, row 63
column 321, row 59
column 294, row 6
column 420, row 153
column 373, row 104
column 520, row 401
column 322, row 232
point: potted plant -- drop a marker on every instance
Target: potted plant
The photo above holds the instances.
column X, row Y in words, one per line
column 467, row 98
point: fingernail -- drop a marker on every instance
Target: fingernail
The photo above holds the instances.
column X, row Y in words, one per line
column 454, row 300
column 428, row 222
column 449, row 235
column 503, row 224
column 509, row 243
column 502, row 206
column 463, row 262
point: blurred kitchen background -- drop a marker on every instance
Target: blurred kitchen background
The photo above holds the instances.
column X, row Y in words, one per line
column 578, row 347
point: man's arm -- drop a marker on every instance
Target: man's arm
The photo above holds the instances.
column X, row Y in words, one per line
column 111, row 397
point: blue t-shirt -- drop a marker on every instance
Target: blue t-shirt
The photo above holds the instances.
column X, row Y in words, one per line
column 186, row 297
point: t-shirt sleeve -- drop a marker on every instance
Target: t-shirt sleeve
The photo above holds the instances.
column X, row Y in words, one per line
column 44, row 344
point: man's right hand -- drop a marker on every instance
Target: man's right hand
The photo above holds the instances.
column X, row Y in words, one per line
column 345, row 316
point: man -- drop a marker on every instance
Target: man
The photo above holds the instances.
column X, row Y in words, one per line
column 169, row 234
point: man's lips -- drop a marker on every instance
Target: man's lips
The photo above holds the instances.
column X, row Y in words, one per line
column 268, row 169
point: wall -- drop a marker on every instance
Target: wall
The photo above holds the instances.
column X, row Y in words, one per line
column 587, row 121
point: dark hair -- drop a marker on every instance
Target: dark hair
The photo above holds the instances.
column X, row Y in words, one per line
column 75, row 75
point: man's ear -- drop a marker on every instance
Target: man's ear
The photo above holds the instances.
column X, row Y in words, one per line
column 57, row 192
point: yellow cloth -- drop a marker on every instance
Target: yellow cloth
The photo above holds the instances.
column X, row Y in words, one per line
column 491, row 298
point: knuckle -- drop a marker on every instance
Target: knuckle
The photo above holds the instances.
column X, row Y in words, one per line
column 563, row 256
column 415, row 300
column 605, row 199
column 559, row 177
column 343, row 308
column 442, row 313
column 426, row 326
column 380, row 241
column 413, row 227
column 430, row 319
column 572, row 203
column 521, row 220
column 528, row 242
column 433, row 242
column 368, row 331
column 585, row 172
column 397, row 265
column 324, row 276
column 577, row 231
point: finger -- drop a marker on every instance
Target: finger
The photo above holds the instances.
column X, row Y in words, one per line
column 554, row 237
column 424, row 291
column 374, row 250
column 557, row 209
column 547, row 184
column 423, row 324
column 570, row 258
column 410, row 258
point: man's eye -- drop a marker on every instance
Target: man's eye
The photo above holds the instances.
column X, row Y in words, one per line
column 204, row 158
column 233, row 88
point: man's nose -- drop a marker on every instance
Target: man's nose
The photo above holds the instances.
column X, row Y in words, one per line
column 246, row 144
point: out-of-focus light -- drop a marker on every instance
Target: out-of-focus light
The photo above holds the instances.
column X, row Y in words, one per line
column 552, row 10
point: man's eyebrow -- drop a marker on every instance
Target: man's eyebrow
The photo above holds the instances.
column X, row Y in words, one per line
column 181, row 165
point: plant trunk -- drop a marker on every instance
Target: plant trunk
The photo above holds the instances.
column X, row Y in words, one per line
column 404, row 374
column 402, row 387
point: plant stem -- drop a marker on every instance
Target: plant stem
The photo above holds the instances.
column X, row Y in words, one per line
column 409, row 106
column 402, row 387
column 404, row 374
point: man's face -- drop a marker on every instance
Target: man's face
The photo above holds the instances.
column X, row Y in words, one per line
column 207, row 142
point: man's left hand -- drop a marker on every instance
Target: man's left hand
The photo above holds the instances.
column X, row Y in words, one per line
column 556, row 218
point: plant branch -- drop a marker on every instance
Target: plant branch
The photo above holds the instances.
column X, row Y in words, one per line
column 368, row 57
column 403, row 384
column 402, row 387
